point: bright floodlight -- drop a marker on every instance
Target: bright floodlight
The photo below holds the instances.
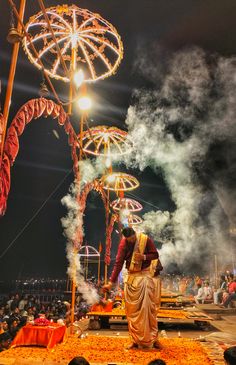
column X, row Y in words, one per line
column 111, row 178
column 84, row 103
column 108, row 162
column 78, row 78
column 125, row 212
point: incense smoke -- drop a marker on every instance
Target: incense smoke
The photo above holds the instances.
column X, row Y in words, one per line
column 73, row 226
column 185, row 127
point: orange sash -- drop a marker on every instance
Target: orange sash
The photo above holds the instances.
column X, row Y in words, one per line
column 140, row 246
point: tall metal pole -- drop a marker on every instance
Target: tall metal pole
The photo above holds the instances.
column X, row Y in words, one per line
column 11, row 77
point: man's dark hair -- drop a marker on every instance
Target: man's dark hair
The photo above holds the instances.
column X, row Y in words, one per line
column 157, row 362
column 4, row 337
column 230, row 355
column 128, row 232
column 79, row 360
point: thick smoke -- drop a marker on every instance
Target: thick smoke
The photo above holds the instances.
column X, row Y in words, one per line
column 90, row 170
column 73, row 226
column 185, row 127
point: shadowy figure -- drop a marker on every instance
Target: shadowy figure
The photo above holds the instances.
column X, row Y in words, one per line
column 230, row 355
column 157, row 362
column 78, row 360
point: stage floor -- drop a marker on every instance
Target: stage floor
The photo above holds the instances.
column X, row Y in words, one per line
column 100, row 349
column 107, row 346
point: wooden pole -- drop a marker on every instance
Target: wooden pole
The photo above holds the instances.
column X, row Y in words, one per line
column 99, row 269
column 83, row 118
column 86, row 267
column 216, row 271
column 73, row 290
column 72, row 70
column 105, row 274
column 11, row 77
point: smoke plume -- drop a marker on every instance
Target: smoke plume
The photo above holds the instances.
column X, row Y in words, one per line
column 184, row 126
column 73, row 227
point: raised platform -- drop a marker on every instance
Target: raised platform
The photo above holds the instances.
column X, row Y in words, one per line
column 100, row 320
column 216, row 309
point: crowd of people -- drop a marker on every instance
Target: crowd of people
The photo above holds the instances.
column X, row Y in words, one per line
column 17, row 310
column 203, row 289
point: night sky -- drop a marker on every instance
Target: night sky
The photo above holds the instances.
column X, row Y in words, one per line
column 31, row 235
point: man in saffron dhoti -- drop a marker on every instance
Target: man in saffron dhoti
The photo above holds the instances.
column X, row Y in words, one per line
column 142, row 287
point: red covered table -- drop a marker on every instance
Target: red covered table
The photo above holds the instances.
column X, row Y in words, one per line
column 47, row 336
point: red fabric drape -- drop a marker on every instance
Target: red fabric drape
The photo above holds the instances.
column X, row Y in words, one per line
column 33, row 109
column 47, row 336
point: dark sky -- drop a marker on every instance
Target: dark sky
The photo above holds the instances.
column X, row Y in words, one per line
column 31, row 236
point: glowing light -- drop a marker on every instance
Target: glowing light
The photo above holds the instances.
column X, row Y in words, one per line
column 78, row 78
column 119, row 181
column 106, row 141
column 88, row 251
column 108, row 162
column 84, row 103
column 134, row 220
column 126, row 212
column 105, row 137
column 130, row 204
column 233, row 231
column 98, row 45
column 111, row 178
column 74, row 39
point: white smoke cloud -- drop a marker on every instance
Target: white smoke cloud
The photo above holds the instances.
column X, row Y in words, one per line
column 173, row 129
column 73, row 226
column 75, row 271
column 91, row 169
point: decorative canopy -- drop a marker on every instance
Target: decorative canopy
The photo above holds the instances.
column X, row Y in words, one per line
column 98, row 46
column 88, row 251
column 126, row 203
column 134, row 220
column 119, row 181
column 106, row 141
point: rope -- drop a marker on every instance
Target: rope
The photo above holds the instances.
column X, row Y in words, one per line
column 35, row 215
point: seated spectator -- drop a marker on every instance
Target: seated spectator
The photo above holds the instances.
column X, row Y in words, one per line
column 218, row 295
column 5, row 341
column 200, row 294
column 208, row 293
column 157, row 362
column 230, row 356
column 13, row 327
column 79, row 360
column 1, row 328
column 232, row 293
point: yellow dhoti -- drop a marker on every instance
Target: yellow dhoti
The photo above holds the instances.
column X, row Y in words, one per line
column 141, row 298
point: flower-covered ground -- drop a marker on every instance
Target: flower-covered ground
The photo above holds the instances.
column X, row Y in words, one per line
column 162, row 313
column 104, row 349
